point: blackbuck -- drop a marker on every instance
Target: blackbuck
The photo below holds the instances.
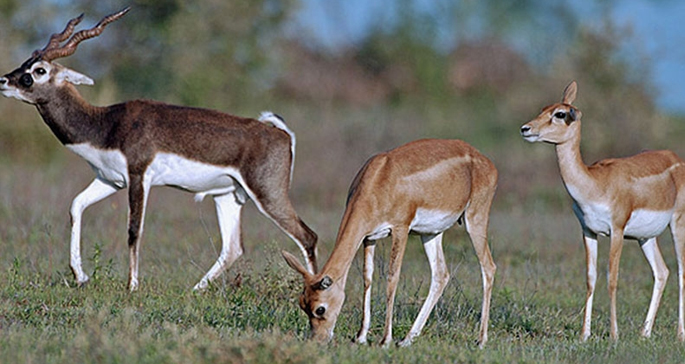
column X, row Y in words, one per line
column 140, row 144
column 634, row 197
column 423, row 187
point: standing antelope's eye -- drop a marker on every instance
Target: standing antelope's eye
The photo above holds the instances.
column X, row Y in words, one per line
column 41, row 71
column 560, row 115
column 320, row 311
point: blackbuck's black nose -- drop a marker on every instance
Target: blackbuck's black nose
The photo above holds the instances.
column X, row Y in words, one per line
column 3, row 81
column 525, row 129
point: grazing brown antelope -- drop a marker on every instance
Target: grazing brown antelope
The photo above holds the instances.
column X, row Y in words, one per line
column 140, row 144
column 423, row 187
column 634, row 197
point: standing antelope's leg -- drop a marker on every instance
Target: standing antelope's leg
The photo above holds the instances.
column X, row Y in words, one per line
column 678, row 232
column 399, row 243
column 96, row 191
column 477, row 225
column 228, row 211
column 660, row 271
column 614, row 260
column 369, row 250
column 439, row 278
column 591, row 276
column 138, row 192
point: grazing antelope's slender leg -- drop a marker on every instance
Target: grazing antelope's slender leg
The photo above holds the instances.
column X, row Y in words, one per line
column 138, row 192
column 591, row 274
column 660, row 271
column 228, row 210
column 476, row 221
column 678, row 232
column 432, row 244
column 369, row 250
column 399, row 243
column 96, row 191
column 614, row 259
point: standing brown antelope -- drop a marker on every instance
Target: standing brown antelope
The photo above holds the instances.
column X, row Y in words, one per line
column 634, row 197
column 423, row 187
column 140, row 144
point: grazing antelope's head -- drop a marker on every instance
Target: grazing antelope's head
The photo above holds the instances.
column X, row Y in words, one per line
column 556, row 123
column 38, row 78
column 321, row 299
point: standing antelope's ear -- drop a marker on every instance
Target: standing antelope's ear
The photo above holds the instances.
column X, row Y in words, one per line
column 73, row 77
column 570, row 93
column 295, row 264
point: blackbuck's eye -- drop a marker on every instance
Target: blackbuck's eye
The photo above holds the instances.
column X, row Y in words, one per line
column 320, row 311
column 41, row 71
column 560, row 115
column 26, row 80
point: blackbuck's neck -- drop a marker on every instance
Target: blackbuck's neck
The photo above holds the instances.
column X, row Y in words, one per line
column 574, row 172
column 72, row 119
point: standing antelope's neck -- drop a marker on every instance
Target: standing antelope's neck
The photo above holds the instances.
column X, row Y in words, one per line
column 71, row 118
column 574, row 172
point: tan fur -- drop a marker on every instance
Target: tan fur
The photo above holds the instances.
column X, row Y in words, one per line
column 391, row 192
column 634, row 197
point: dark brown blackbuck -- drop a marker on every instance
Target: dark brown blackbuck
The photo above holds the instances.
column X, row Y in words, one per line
column 139, row 144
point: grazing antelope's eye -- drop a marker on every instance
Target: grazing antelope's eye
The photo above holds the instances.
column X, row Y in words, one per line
column 320, row 311
column 560, row 115
column 26, row 80
column 41, row 71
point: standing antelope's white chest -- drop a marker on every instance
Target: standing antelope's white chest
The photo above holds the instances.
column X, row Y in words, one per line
column 109, row 165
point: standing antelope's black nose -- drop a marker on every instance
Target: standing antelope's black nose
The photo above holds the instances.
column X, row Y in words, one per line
column 525, row 129
column 3, row 81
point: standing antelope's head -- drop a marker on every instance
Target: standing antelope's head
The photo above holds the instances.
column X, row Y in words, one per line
column 556, row 123
column 36, row 79
column 321, row 299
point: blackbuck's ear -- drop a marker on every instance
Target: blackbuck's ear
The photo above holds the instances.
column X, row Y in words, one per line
column 295, row 264
column 323, row 284
column 73, row 77
column 570, row 93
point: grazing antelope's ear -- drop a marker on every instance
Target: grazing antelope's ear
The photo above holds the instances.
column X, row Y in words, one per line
column 570, row 93
column 73, row 77
column 324, row 283
column 295, row 264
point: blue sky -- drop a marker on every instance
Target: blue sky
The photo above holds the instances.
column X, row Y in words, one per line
column 656, row 33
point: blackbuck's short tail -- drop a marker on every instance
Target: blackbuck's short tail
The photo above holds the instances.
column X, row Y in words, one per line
column 277, row 121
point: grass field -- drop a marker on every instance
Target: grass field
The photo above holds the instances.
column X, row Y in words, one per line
column 251, row 315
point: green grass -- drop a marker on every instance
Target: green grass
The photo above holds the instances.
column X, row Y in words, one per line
column 251, row 315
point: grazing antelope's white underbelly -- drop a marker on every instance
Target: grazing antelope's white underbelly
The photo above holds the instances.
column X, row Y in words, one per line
column 432, row 221
column 642, row 224
column 166, row 169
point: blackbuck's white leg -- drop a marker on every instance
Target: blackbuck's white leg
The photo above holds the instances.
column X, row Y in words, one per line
column 399, row 243
column 678, row 232
column 96, row 191
column 477, row 217
column 369, row 250
column 614, row 260
column 660, row 271
column 591, row 275
column 138, row 192
column 228, row 211
column 432, row 244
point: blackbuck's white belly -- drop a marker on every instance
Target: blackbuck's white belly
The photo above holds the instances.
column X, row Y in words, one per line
column 432, row 221
column 165, row 170
column 642, row 224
